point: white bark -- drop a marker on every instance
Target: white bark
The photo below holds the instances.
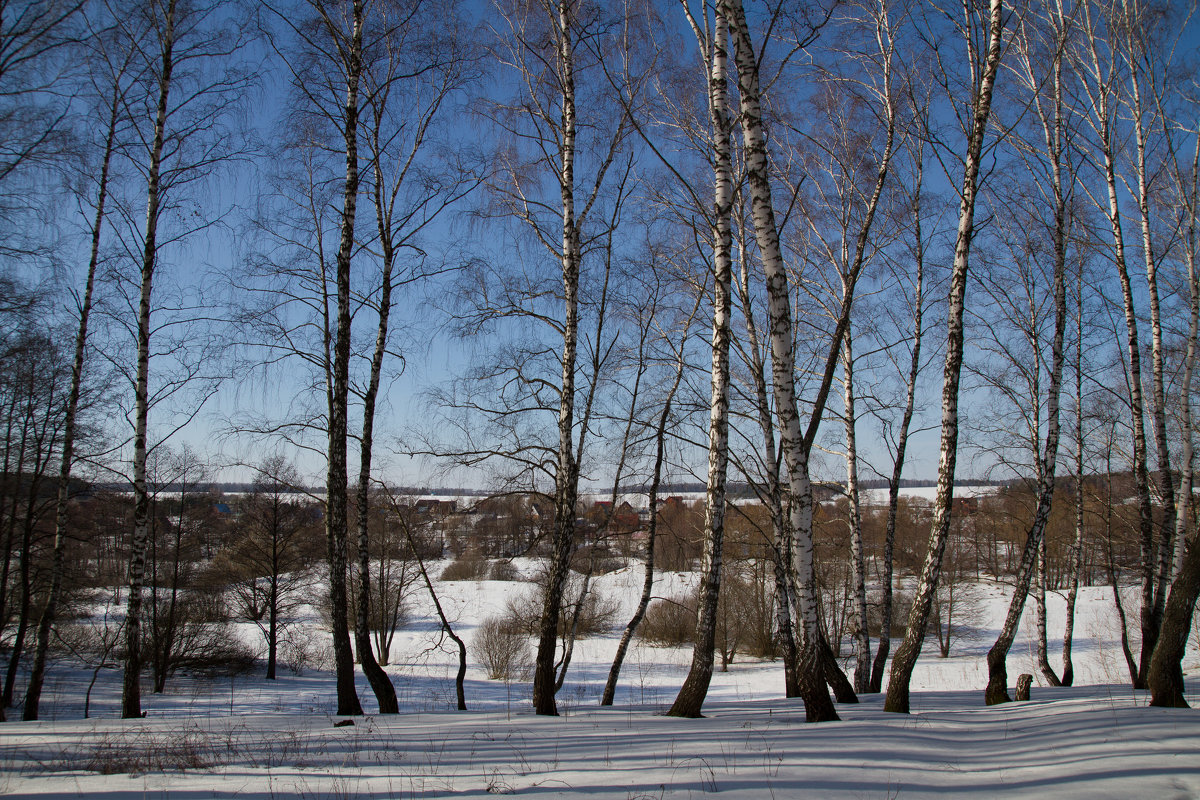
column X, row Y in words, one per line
column 1166, row 486
column 1099, row 83
column 691, row 695
column 862, row 641
column 337, row 486
column 1033, row 557
column 131, row 698
column 906, row 655
column 567, row 472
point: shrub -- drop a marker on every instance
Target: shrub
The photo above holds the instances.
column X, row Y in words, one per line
column 595, row 617
column 198, row 638
column 745, row 620
column 139, row 753
column 300, row 651
column 746, row 615
column 470, row 566
column 504, row 571
column 503, row 649
column 670, row 622
column 901, row 603
column 607, row 564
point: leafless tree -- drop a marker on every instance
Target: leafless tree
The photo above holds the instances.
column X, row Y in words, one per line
column 37, row 60
column 1034, row 45
column 816, row 665
column 446, row 627
column 33, row 390
column 268, row 560
column 409, row 85
column 898, row 441
column 562, row 176
column 675, row 339
column 189, row 85
column 1101, row 72
column 712, row 38
column 1165, row 678
column 983, row 52
column 108, row 81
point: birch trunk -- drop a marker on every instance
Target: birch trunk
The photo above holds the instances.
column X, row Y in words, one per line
column 862, row 641
column 1068, row 674
column 817, row 703
column 273, row 597
column 567, row 472
column 1165, row 677
column 381, row 684
column 1101, row 103
column 131, row 697
column 815, row 663
column 690, row 699
column 660, row 448
column 1190, row 192
column 336, row 529
column 1188, row 456
column 781, row 538
column 1043, row 655
column 37, row 674
column 1110, row 564
column 906, row 655
column 1166, row 480
column 910, row 394
column 1033, row 554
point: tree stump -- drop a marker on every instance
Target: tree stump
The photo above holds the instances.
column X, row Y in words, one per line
column 1024, row 681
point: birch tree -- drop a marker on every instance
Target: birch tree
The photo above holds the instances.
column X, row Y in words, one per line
column 560, row 178
column 1076, row 558
column 1165, row 676
column 301, row 288
column 659, row 438
column 899, row 444
column 109, row 79
column 1100, row 73
column 712, row 39
column 38, row 49
column 1033, row 47
column 346, row 37
column 815, row 661
column 753, row 354
column 411, row 84
column 191, row 84
column 983, row 52
column 350, row 64
column 34, row 388
column 1147, row 52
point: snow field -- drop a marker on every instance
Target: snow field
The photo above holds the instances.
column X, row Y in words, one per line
column 247, row 737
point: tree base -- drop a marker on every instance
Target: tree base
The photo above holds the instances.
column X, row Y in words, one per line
column 1168, row 699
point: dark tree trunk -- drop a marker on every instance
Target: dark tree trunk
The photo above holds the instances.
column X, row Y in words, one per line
column 1165, row 678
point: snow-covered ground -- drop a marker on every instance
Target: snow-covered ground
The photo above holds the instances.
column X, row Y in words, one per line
column 879, row 497
column 247, row 737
